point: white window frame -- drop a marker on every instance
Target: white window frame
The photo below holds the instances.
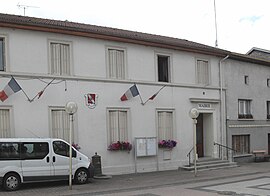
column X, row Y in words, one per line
column 75, row 124
column 244, row 109
column 164, row 136
column 128, row 131
column 11, row 124
column 5, row 53
column 205, row 80
column 109, row 75
column 164, row 54
column 70, row 57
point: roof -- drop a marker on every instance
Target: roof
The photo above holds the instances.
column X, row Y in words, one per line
column 113, row 34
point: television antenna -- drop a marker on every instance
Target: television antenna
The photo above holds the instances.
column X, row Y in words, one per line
column 24, row 7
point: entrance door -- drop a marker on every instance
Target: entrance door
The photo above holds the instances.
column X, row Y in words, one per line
column 269, row 143
column 199, row 135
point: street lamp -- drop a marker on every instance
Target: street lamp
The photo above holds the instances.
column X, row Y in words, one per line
column 194, row 113
column 71, row 108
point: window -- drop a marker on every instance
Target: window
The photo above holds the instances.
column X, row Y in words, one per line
column 5, row 130
column 246, row 80
column 9, row 151
column 268, row 82
column 62, row 149
column 202, row 70
column 241, row 143
column 118, row 125
column 268, row 109
column 244, row 109
column 163, row 63
column 116, row 61
column 165, row 125
column 34, row 150
column 2, row 54
column 60, row 124
column 60, row 58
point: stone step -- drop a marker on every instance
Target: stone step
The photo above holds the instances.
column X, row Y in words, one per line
column 210, row 164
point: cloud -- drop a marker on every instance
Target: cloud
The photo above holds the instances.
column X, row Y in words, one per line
column 251, row 19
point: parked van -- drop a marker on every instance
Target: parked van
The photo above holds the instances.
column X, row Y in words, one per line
column 25, row 160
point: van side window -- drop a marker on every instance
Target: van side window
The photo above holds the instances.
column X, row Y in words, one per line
column 61, row 148
column 34, row 150
column 9, row 151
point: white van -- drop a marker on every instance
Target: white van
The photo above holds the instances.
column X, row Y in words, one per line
column 25, row 160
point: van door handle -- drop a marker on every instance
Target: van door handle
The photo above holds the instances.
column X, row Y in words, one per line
column 48, row 159
column 53, row 158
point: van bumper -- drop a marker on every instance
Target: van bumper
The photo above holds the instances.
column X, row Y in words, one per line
column 91, row 170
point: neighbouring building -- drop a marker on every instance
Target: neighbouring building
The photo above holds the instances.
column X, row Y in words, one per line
column 55, row 62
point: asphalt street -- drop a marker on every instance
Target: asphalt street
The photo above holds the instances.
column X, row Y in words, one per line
column 247, row 179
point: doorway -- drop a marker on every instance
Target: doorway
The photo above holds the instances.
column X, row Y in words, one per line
column 269, row 143
column 199, row 136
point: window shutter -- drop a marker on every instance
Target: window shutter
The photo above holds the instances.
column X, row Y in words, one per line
column 202, row 72
column 60, row 124
column 5, row 131
column 116, row 63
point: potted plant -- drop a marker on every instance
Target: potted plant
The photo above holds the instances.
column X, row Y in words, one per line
column 169, row 144
column 125, row 146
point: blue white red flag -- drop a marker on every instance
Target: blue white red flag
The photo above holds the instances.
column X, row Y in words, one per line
column 131, row 92
column 11, row 88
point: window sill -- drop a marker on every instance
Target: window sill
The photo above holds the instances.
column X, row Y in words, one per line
column 246, row 119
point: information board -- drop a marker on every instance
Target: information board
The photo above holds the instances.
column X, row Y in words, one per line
column 146, row 146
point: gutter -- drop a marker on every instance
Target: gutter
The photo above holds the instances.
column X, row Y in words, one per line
column 222, row 101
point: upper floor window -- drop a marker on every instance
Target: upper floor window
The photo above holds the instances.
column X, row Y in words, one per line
column 165, row 125
column 268, row 82
column 244, row 109
column 5, row 129
column 117, row 125
column 163, row 65
column 60, row 58
column 202, row 70
column 2, row 54
column 116, row 63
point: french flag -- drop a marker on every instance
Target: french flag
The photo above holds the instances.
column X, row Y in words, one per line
column 131, row 92
column 11, row 88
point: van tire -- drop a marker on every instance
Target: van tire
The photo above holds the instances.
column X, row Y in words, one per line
column 81, row 176
column 11, row 182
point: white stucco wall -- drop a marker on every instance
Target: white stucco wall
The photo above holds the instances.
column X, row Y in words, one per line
column 28, row 57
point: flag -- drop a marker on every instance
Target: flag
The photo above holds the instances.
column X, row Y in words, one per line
column 11, row 88
column 154, row 95
column 131, row 92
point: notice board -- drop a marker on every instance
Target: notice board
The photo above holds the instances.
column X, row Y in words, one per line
column 146, row 146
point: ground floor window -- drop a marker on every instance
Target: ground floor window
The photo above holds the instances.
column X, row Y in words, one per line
column 60, row 124
column 5, row 130
column 165, row 125
column 241, row 143
column 117, row 125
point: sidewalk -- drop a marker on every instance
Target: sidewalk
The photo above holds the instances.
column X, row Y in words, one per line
column 129, row 182
column 175, row 177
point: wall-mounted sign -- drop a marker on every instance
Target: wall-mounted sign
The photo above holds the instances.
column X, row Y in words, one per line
column 91, row 100
column 146, row 146
column 204, row 106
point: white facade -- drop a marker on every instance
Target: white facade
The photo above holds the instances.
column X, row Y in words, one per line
column 28, row 60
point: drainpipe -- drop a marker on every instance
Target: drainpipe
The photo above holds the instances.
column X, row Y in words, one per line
column 222, row 100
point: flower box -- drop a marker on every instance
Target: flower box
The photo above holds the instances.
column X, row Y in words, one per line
column 125, row 146
column 169, row 144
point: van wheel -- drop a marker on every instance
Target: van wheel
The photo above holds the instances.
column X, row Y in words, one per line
column 81, row 176
column 11, row 182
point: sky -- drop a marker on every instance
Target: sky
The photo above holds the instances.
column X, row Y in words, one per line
column 241, row 24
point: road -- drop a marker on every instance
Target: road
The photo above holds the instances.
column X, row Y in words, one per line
column 248, row 179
